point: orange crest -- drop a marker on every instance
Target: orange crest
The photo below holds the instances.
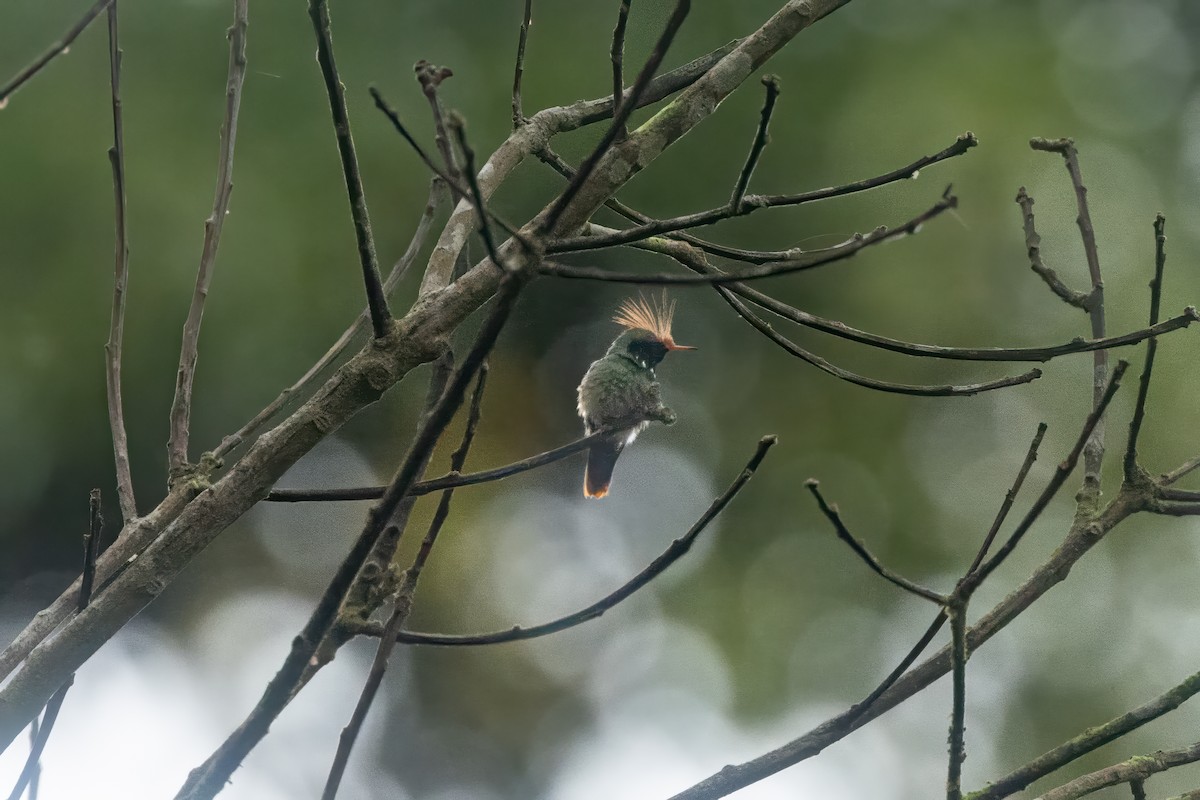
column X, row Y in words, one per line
column 648, row 316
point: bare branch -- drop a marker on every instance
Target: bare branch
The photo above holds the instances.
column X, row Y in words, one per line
column 621, row 115
column 1093, row 456
column 403, row 605
column 485, row 228
column 1033, row 244
column 1168, row 478
column 181, row 407
column 761, row 137
column 55, row 50
column 430, row 77
column 835, row 518
column 381, row 316
column 1037, row 354
column 945, row 390
column 1083, row 536
column 1132, row 470
column 682, row 252
column 186, row 523
column 677, row 549
column 752, row 203
column 1064, row 469
column 1088, row 741
column 517, row 114
column 91, row 549
column 936, row 625
column 42, row 729
column 1009, row 497
column 447, row 481
column 813, row 260
column 399, row 270
column 1132, row 770
column 957, row 612
column 210, row 777
column 617, row 55
column 116, row 330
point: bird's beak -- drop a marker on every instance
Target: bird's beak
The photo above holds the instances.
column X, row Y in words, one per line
column 672, row 346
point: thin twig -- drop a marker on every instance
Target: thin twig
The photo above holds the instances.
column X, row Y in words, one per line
column 403, row 607
column 91, row 549
column 1033, row 246
column 399, row 270
column 518, row 115
column 116, row 330
column 181, row 407
column 451, row 180
column 559, row 165
column 1052, row 486
column 751, row 203
column 448, row 481
column 1132, row 470
column 902, row 685
column 381, row 316
column 1093, row 456
column 677, row 549
column 1036, row 354
column 944, row 390
column 210, row 777
column 936, row 625
column 91, row 544
column 1168, row 478
column 761, row 137
column 620, row 116
column 430, row 77
column 617, row 55
column 485, row 229
column 811, row 261
column 57, row 49
column 693, row 259
column 835, row 518
column 957, row 612
column 1133, row 770
column 1009, row 497
column 1088, row 741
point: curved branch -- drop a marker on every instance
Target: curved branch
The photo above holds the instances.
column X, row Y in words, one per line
column 751, row 203
column 691, row 258
column 55, row 50
column 829, row 256
column 673, row 553
column 448, row 481
column 945, row 390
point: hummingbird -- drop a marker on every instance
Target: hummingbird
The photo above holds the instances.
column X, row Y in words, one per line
column 620, row 393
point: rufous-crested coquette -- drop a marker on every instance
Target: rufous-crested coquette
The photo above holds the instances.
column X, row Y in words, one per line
column 620, row 393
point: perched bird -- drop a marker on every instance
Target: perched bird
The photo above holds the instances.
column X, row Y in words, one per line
column 620, row 392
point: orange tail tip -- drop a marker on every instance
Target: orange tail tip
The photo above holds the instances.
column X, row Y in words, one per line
column 602, row 457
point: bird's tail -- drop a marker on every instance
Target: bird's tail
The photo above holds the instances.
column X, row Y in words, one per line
column 602, row 457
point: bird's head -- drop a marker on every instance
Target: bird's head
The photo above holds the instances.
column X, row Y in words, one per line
column 647, row 338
